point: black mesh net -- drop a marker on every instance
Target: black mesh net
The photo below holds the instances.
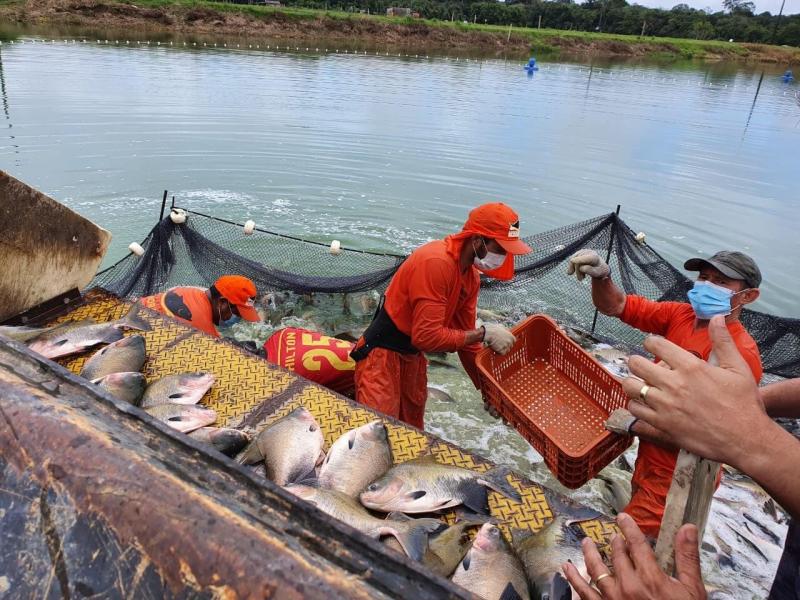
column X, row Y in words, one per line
column 203, row 248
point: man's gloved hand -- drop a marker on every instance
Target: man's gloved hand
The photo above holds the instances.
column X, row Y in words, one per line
column 498, row 338
column 587, row 262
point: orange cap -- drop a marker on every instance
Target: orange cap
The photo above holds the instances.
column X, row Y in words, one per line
column 499, row 222
column 241, row 292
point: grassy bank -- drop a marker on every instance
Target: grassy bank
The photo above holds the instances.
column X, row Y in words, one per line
column 288, row 23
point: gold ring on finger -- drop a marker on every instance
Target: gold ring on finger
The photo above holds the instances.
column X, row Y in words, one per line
column 643, row 393
column 600, row 578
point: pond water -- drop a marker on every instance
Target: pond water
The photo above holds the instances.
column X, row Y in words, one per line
column 387, row 152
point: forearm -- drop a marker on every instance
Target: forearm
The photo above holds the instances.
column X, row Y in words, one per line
column 772, row 459
column 607, row 297
column 782, row 399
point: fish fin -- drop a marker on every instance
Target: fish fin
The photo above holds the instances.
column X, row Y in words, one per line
column 416, row 495
column 251, row 454
column 468, row 517
column 398, row 516
column 474, row 497
column 467, row 560
column 413, row 536
column 496, row 480
column 559, row 589
column 351, row 439
column 133, row 320
column 301, row 475
column 322, row 458
column 510, row 593
column 111, row 336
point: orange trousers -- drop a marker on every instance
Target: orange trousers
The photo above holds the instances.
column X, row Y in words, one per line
column 394, row 384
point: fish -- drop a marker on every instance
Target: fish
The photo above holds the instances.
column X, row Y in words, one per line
column 79, row 336
column 290, row 448
column 446, row 546
column 618, row 484
column 544, row 552
column 181, row 417
column 411, row 534
column 183, row 388
column 424, row 485
column 491, row 569
column 438, row 395
column 123, row 356
column 228, row 441
column 24, row 333
column 356, row 459
column 127, row 386
column 361, row 304
column 485, row 314
column 613, row 360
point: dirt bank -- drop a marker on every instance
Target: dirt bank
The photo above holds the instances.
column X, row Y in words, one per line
column 360, row 30
column 272, row 25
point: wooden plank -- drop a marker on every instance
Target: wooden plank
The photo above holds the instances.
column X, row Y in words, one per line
column 46, row 249
column 99, row 498
column 688, row 501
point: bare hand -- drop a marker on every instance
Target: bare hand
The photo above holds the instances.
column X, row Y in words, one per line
column 636, row 573
column 705, row 409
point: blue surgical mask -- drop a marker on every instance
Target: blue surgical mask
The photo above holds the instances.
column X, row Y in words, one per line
column 708, row 299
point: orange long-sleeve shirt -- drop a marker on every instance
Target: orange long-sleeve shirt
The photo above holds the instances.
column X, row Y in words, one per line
column 431, row 300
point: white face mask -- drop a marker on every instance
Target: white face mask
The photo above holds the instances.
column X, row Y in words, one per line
column 490, row 262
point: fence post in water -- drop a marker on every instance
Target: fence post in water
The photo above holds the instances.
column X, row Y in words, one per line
column 608, row 255
column 163, row 206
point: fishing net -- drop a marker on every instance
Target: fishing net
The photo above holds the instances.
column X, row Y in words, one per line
column 203, row 248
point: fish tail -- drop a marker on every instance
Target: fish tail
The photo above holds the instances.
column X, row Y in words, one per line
column 558, row 589
column 496, row 479
column 133, row 320
column 413, row 536
column 250, row 455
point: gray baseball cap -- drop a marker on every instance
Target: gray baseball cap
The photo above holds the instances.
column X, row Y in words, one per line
column 735, row 265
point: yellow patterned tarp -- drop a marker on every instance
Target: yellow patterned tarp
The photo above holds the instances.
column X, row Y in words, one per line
column 250, row 393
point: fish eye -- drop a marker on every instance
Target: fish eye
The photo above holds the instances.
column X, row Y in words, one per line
column 494, row 531
column 312, row 428
column 373, row 487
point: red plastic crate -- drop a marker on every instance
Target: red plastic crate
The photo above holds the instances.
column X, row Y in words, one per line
column 558, row 397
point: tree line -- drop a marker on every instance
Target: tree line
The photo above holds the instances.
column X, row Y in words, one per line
column 735, row 20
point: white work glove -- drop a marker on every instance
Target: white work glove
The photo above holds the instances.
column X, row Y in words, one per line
column 498, row 338
column 587, row 262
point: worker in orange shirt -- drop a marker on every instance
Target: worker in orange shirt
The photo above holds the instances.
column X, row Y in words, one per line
column 725, row 284
column 230, row 299
column 430, row 306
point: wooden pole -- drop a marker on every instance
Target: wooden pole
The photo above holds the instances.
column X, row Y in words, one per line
column 508, row 37
column 688, row 501
column 540, row 22
column 644, row 24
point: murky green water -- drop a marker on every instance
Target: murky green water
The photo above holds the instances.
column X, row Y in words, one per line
column 387, row 152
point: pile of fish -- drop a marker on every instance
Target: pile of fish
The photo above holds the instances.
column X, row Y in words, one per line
column 116, row 369
column 357, row 482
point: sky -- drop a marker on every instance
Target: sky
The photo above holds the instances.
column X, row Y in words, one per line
column 773, row 6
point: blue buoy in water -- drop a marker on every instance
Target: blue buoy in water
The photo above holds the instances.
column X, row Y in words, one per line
column 531, row 66
column 788, row 77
